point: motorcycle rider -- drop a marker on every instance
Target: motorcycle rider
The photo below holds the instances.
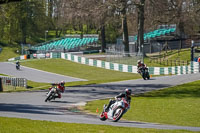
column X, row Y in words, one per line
column 140, row 65
column 126, row 95
column 17, row 64
column 60, row 88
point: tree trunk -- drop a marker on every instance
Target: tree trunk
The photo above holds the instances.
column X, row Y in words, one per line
column 125, row 27
column 182, row 33
column 141, row 26
column 60, row 32
column 50, row 8
column 103, row 38
column 125, row 33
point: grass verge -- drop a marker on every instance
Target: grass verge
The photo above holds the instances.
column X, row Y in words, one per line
column 14, row 125
column 179, row 105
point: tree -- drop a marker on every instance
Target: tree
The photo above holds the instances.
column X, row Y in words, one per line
column 22, row 21
column 184, row 13
column 7, row 1
column 140, row 38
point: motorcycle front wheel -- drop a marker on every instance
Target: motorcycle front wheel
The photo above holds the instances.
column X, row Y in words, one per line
column 143, row 76
column 117, row 114
column 48, row 97
column 102, row 117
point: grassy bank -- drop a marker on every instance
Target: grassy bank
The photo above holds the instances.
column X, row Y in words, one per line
column 94, row 75
column 179, row 105
column 7, row 53
column 14, row 125
column 171, row 56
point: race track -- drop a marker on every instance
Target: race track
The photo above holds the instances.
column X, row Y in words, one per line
column 31, row 105
column 34, row 74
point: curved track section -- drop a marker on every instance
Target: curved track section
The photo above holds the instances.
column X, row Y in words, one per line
column 34, row 74
column 31, row 105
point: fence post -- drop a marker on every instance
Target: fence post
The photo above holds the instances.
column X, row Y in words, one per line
column 1, row 85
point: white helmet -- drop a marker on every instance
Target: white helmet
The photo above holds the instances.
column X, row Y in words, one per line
column 128, row 91
column 139, row 61
column 62, row 83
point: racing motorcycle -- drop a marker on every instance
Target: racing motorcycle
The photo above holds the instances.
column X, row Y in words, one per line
column 144, row 73
column 116, row 110
column 51, row 94
column 17, row 66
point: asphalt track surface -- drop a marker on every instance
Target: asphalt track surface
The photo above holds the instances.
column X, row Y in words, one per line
column 34, row 74
column 31, row 105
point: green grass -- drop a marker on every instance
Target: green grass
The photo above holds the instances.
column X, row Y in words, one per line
column 183, row 55
column 152, row 64
column 8, row 53
column 179, row 105
column 14, row 125
column 94, row 75
column 37, row 85
column 3, row 74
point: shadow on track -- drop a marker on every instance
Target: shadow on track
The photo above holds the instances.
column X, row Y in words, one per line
column 105, row 89
column 25, row 108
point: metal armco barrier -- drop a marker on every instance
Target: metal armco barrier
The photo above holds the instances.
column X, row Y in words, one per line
column 16, row 82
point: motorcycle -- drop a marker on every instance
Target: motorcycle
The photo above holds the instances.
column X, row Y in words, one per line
column 144, row 73
column 51, row 94
column 17, row 66
column 115, row 111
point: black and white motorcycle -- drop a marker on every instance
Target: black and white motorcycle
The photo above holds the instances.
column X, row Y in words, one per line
column 115, row 111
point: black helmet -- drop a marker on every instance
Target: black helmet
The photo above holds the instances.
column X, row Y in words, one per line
column 128, row 92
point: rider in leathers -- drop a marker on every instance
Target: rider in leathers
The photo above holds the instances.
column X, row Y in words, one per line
column 60, row 88
column 17, row 64
column 126, row 95
column 141, row 65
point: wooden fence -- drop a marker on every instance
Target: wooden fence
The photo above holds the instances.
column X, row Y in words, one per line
column 15, row 82
column 167, row 62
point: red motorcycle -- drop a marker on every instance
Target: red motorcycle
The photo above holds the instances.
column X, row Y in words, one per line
column 52, row 93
